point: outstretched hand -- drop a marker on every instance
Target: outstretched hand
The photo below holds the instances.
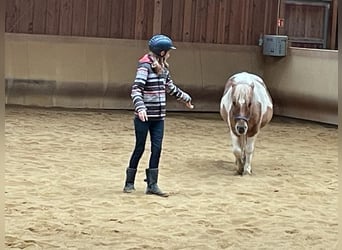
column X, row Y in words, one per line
column 189, row 105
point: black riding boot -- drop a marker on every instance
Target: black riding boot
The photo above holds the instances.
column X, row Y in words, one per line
column 152, row 180
column 130, row 177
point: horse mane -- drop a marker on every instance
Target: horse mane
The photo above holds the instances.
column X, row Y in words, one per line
column 241, row 91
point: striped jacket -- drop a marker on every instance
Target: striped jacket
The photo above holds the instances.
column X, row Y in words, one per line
column 149, row 90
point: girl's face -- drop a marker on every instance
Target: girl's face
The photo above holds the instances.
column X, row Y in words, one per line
column 167, row 55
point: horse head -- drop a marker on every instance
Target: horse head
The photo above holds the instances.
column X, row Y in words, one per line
column 242, row 98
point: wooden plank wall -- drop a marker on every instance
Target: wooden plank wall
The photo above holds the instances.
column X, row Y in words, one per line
column 304, row 23
column 204, row 21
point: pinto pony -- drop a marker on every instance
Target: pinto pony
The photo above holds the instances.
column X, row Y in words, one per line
column 246, row 106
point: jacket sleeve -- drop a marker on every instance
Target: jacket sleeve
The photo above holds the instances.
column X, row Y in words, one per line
column 173, row 90
column 137, row 91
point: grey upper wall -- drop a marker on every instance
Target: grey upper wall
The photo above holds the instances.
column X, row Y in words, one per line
column 56, row 71
column 304, row 84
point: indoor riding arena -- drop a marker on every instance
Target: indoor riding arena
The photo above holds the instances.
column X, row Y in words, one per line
column 69, row 128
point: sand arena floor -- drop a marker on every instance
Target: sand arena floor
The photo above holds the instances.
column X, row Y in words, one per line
column 65, row 172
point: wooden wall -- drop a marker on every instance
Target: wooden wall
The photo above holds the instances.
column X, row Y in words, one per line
column 309, row 23
column 206, row 21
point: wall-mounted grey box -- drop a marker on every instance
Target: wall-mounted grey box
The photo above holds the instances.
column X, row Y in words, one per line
column 275, row 45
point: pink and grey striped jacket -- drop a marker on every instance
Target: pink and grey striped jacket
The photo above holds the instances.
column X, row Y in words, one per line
column 149, row 90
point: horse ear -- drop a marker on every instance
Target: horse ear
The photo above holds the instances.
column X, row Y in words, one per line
column 252, row 85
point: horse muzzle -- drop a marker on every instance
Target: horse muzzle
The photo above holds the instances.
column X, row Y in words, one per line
column 241, row 129
column 241, row 125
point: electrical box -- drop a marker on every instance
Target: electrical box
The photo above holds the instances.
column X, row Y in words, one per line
column 275, row 45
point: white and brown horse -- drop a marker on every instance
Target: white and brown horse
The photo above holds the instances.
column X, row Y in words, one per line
column 246, row 106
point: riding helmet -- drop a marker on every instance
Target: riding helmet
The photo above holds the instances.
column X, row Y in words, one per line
column 159, row 43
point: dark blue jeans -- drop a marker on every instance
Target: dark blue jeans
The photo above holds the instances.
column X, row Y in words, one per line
column 156, row 129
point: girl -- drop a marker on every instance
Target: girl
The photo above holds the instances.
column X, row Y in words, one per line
column 148, row 93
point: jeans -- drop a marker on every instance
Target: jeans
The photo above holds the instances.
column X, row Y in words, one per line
column 156, row 129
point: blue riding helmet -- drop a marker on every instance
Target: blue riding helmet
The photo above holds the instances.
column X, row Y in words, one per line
column 159, row 43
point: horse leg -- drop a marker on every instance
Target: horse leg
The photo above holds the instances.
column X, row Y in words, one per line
column 249, row 149
column 240, row 166
column 239, row 162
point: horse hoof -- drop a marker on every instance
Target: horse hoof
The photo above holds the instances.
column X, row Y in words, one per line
column 239, row 172
column 247, row 173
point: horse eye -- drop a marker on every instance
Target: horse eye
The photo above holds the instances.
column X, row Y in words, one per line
column 234, row 103
column 249, row 105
